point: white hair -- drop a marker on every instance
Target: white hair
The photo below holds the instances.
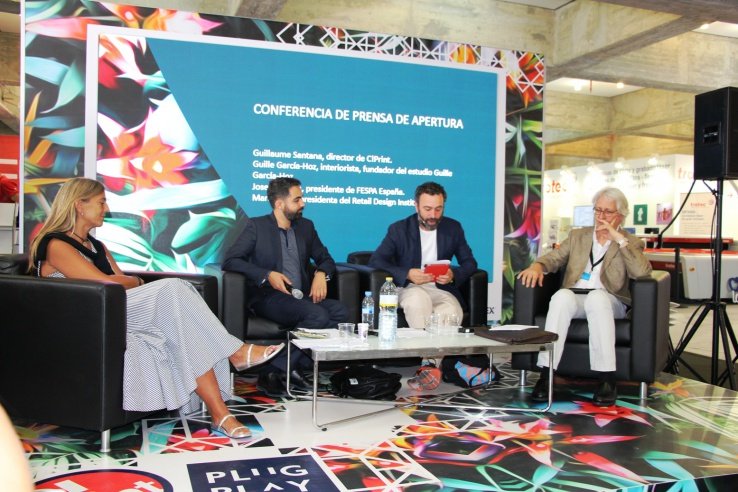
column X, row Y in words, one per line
column 613, row 194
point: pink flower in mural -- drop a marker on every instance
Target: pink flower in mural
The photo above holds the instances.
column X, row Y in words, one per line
column 605, row 415
column 118, row 57
column 606, row 465
column 530, row 227
column 66, row 28
column 200, row 440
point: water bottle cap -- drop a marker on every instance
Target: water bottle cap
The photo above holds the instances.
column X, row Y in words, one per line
column 368, row 293
column 388, row 278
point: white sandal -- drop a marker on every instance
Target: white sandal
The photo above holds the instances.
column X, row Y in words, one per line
column 235, row 433
column 269, row 353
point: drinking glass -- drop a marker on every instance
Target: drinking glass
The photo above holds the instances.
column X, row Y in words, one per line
column 345, row 330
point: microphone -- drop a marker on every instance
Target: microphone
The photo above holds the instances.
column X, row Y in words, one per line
column 296, row 293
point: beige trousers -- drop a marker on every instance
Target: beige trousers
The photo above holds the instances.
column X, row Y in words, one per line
column 419, row 301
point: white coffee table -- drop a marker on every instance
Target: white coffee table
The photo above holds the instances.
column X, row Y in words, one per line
column 410, row 343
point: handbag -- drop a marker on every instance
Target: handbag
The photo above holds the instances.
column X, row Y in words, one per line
column 365, row 382
column 468, row 370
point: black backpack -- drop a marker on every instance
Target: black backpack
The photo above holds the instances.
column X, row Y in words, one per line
column 366, row 383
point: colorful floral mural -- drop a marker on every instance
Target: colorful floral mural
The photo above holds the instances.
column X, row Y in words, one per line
column 169, row 198
column 684, row 437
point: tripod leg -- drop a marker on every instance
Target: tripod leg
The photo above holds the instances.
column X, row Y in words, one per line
column 726, row 348
column 671, row 364
column 671, row 354
column 726, row 331
column 731, row 333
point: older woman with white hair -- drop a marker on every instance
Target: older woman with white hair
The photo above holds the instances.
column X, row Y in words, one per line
column 176, row 349
column 598, row 262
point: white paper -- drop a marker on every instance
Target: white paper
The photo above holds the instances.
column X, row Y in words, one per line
column 328, row 343
column 317, row 333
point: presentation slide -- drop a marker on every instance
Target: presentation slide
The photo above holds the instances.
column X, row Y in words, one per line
column 359, row 131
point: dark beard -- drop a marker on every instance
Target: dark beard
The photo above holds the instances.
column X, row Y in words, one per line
column 292, row 216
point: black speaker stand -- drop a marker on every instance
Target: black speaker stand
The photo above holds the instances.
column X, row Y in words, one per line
column 722, row 330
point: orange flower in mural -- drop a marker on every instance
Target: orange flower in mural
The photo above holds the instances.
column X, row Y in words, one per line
column 142, row 157
column 127, row 13
column 674, row 388
column 464, row 54
column 178, row 21
column 158, row 163
column 528, row 78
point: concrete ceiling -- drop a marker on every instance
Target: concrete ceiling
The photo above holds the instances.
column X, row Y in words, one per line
column 655, row 47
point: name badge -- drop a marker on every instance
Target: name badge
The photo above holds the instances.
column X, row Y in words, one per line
column 586, row 275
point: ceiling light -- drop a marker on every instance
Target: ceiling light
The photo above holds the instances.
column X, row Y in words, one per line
column 578, row 85
column 619, row 85
column 705, row 26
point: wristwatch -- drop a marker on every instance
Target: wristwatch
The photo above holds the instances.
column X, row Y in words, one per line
column 623, row 242
column 265, row 279
column 327, row 277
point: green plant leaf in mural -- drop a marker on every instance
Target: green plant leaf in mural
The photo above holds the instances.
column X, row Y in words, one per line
column 74, row 137
column 50, row 71
column 201, row 237
column 72, row 85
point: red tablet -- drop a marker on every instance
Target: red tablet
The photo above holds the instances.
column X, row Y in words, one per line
column 436, row 269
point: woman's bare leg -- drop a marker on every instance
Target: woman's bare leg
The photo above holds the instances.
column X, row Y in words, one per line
column 209, row 391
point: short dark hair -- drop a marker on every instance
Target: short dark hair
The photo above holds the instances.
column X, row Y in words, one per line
column 280, row 188
column 429, row 188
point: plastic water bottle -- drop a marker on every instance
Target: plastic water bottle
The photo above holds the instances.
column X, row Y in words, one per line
column 367, row 309
column 388, row 311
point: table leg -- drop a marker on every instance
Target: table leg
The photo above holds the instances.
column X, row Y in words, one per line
column 289, row 368
column 315, row 395
column 431, row 401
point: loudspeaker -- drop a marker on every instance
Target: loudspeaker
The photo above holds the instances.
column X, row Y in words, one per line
column 716, row 134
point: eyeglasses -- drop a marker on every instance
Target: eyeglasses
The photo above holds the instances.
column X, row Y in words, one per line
column 604, row 211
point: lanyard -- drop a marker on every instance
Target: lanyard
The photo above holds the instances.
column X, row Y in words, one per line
column 591, row 258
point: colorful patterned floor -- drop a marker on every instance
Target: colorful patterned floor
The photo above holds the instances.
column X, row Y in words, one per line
column 686, row 439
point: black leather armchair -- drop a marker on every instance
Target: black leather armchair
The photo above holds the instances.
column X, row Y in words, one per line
column 245, row 325
column 474, row 290
column 61, row 356
column 642, row 340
